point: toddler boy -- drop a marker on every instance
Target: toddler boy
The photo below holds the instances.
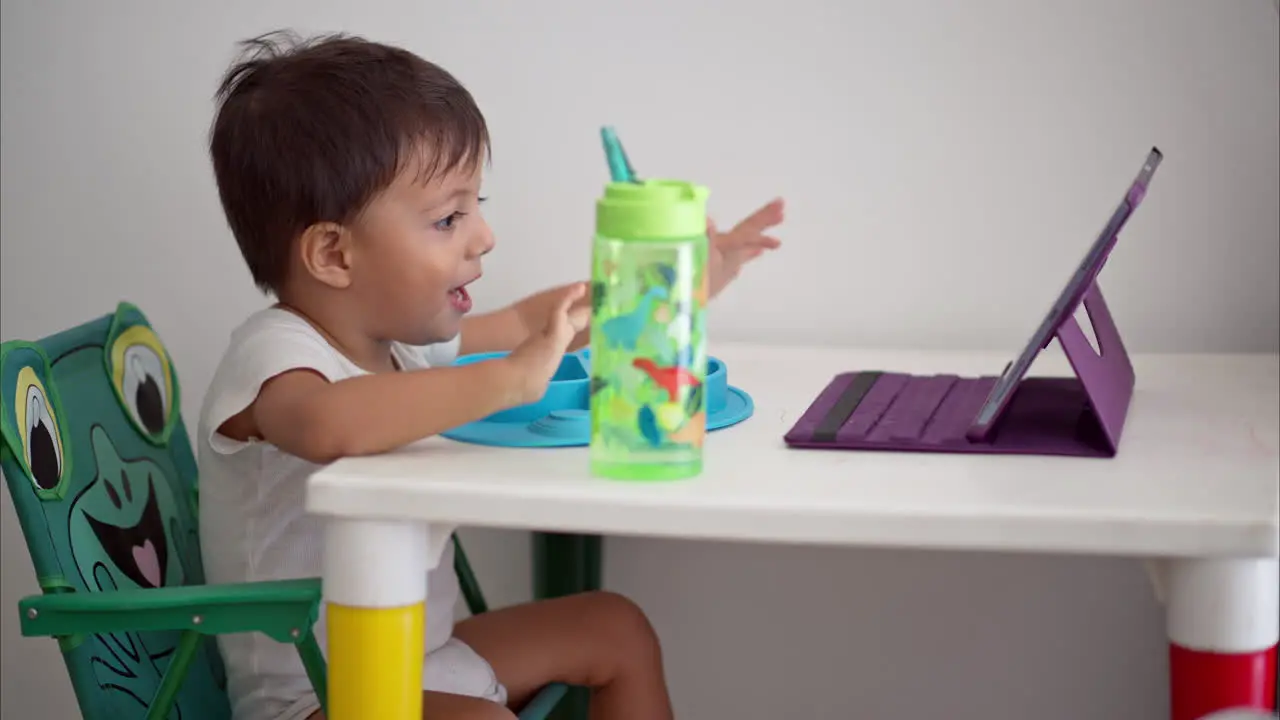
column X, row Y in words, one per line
column 350, row 173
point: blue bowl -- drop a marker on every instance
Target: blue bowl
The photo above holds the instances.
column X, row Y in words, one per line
column 570, row 388
column 560, row 417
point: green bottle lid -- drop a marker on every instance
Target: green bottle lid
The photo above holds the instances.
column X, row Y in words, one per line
column 652, row 210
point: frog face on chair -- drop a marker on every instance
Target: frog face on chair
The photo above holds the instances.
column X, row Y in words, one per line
column 122, row 523
column 90, row 426
column 102, row 478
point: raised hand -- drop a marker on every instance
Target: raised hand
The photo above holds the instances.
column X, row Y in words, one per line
column 729, row 251
column 538, row 357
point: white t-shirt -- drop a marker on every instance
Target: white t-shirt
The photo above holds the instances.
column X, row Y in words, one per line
column 253, row 522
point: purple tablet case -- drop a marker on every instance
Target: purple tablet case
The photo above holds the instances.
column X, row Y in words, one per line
column 1082, row 415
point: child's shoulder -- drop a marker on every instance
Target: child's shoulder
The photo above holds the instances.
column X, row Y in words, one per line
column 272, row 325
column 272, row 340
column 269, row 342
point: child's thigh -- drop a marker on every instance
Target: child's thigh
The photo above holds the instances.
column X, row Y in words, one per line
column 443, row 706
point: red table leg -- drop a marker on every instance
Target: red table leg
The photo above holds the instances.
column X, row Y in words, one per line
column 1224, row 621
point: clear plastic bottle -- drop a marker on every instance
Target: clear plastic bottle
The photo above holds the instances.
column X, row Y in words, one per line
column 648, row 331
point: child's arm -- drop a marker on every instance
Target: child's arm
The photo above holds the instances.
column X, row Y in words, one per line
column 305, row 415
column 728, row 253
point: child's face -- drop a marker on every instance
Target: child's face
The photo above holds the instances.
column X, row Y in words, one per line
column 415, row 249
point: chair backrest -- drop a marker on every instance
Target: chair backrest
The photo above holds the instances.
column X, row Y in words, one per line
column 100, row 469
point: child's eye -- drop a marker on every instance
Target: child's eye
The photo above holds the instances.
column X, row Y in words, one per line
column 447, row 223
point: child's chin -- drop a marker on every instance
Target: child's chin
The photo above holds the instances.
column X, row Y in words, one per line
column 442, row 330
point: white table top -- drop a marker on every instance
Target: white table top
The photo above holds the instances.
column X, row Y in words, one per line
column 1197, row 474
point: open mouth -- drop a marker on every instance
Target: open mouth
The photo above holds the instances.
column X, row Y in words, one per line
column 140, row 551
column 459, row 298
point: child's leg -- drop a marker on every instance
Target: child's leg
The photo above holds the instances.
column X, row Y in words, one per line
column 600, row 640
column 443, row 706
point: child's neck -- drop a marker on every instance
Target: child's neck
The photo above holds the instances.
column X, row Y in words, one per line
column 368, row 353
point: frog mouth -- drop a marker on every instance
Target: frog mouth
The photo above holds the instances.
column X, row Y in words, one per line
column 140, row 551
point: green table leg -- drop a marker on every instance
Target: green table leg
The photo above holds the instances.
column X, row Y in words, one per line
column 565, row 564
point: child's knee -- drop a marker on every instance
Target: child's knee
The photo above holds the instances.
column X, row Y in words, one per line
column 622, row 621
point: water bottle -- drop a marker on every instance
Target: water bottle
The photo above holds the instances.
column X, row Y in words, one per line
column 648, row 330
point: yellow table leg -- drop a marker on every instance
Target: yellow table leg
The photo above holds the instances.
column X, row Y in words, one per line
column 375, row 587
column 375, row 669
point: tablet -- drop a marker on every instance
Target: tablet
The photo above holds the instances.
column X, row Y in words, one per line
column 1065, row 306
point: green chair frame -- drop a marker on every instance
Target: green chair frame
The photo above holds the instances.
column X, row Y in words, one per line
column 283, row 610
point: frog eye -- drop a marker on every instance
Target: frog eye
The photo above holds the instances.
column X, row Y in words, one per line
column 39, row 433
column 142, row 378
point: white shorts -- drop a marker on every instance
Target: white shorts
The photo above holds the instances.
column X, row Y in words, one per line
column 451, row 668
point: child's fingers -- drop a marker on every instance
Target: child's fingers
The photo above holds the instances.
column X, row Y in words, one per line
column 763, row 219
column 742, row 238
column 567, row 327
column 556, row 320
column 750, row 248
column 571, row 295
column 569, row 318
column 764, row 242
column 579, row 318
column 584, row 299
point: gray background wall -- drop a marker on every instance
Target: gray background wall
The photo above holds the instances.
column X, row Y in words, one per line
column 945, row 164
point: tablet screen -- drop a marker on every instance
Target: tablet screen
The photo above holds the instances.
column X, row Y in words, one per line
column 1067, row 300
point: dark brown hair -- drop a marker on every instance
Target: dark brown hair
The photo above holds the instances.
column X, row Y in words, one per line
column 310, row 131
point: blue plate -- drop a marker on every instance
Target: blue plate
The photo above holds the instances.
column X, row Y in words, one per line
column 561, row 419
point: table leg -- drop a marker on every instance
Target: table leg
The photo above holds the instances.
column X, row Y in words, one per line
column 1223, row 627
column 564, row 564
column 375, row 591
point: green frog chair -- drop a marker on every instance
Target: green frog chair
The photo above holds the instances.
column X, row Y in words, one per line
column 101, row 472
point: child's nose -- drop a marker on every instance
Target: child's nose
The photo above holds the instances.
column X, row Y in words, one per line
column 482, row 242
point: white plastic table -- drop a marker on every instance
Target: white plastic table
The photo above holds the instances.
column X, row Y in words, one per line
column 1193, row 490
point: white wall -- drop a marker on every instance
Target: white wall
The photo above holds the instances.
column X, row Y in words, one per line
column 945, row 164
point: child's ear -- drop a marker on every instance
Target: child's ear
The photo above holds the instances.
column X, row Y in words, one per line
column 326, row 253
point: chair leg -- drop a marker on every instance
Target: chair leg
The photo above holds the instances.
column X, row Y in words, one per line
column 540, row 707
column 317, row 672
column 174, row 676
column 565, row 564
column 467, row 580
